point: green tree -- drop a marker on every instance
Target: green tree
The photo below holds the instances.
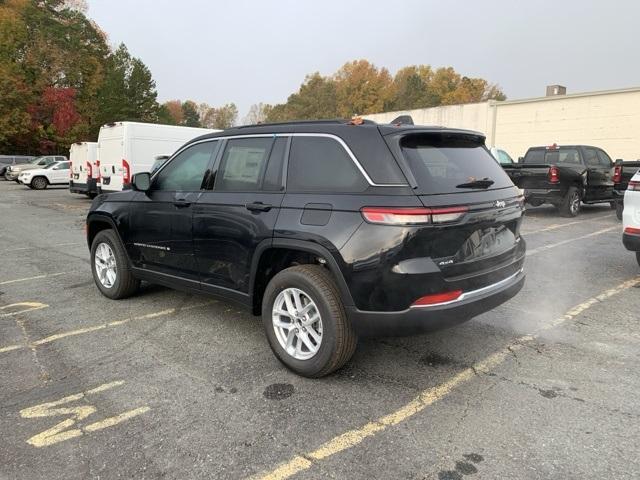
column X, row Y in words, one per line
column 190, row 115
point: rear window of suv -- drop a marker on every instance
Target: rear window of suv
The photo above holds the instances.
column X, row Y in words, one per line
column 441, row 162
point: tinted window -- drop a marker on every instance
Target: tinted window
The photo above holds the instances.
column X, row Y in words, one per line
column 566, row 156
column 273, row 176
column 321, row 164
column 534, row 156
column 442, row 162
column 186, row 171
column 605, row 160
column 243, row 164
column 591, row 157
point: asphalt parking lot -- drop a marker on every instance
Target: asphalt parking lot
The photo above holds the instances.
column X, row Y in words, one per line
column 172, row 385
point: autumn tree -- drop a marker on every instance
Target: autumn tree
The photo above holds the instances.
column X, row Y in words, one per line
column 362, row 88
column 190, row 115
column 257, row 114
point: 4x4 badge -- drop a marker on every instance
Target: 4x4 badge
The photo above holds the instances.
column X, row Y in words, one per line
column 500, row 204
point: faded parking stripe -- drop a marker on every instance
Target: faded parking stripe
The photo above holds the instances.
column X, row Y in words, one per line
column 428, row 397
column 570, row 240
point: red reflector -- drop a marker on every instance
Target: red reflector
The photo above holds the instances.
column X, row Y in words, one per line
column 632, row 230
column 90, row 170
column 617, row 174
column 437, row 298
column 126, row 177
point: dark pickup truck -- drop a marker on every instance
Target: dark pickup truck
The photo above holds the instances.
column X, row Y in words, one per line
column 564, row 176
column 622, row 173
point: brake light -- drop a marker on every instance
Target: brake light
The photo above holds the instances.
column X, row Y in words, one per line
column 617, row 174
column 553, row 147
column 70, row 169
column 437, row 298
column 412, row 216
column 634, row 185
column 554, row 174
column 98, row 169
column 632, row 230
column 126, row 176
column 89, row 170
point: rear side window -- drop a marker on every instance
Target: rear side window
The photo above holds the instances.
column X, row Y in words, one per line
column 605, row 160
column 534, row 156
column 273, row 176
column 591, row 157
column 321, row 164
column 441, row 163
column 243, row 164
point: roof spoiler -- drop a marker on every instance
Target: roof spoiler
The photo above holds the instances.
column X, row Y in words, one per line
column 402, row 120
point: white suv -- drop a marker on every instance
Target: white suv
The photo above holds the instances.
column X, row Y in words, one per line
column 55, row 174
column 631, row 216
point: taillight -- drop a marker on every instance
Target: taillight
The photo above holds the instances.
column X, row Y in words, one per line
column 617, row 174
column 126, row 175
column 89, row 170
column 634, row 185
column 437, row 298
column 412, row 216
column 632, row 230
column 98, row 169
column 70, row 169
column 554, row 174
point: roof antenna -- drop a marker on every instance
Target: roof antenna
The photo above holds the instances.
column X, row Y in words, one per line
column 402, row 120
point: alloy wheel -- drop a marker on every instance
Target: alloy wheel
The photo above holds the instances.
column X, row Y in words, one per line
column 297, row 323
column 106, row 267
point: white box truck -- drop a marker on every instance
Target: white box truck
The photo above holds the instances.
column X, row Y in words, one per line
column 127, row 148
column 84, row 168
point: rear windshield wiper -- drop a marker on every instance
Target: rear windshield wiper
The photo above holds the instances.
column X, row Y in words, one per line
column 483, row 183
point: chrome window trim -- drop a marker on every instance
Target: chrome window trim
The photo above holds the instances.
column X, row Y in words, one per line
column 291, row 134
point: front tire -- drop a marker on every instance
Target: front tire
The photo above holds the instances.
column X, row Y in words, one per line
column 39, row 183
column 570, row 206
column 306, row 323
column 110, row 267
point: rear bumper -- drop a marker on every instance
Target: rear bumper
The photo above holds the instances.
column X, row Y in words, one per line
column 543, row 195
column 76, row 187
column 436, row 317
column 631, row 242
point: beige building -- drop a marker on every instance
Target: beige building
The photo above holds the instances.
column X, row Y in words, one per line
column 607, row 119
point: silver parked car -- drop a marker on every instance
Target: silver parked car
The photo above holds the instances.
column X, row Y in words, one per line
column 13, row 171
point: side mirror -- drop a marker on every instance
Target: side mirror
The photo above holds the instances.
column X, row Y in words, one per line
column 141, row 182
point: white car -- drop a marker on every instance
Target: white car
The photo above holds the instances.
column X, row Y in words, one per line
column 631, row 216
column 501, row 156
column 55, row 174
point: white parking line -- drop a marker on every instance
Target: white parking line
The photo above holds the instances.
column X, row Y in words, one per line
column 556, row 226
column 37, row 277
column 22, row 307
column 569, row 240
column 19, row 249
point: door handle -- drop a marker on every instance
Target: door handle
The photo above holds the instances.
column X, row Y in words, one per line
column 258, row 207
column 182, row 203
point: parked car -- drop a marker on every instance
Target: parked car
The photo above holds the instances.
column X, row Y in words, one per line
column 623, row 171
column 56, row 173
column 10, row 160
column 501, row 156
column 329, row 230
column 125, row 148
column 37, row 163
column 84, row 166
column 564, row 176
column 631, row 216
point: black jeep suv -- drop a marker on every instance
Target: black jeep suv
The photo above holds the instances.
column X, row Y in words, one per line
column 328, row 229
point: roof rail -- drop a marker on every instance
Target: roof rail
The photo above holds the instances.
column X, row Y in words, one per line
column 305, row 122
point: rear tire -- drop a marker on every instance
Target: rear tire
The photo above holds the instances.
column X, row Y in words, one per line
column 638, row 258
column 613, row 204
column 337, row 340
column 120, row 283
column 619, row 209
column 39, row 183
column 570, row 206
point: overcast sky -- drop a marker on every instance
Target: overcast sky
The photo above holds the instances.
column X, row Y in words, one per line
column 260, row 51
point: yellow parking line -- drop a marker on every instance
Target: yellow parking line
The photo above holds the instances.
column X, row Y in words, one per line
column 102, row 326
column 533, row 251
column 37, row 277
column 429, row 396
column 24, row 307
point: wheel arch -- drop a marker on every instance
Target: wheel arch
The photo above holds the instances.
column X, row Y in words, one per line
column 292, row 249
column 98, row 222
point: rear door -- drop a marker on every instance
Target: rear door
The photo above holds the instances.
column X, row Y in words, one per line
column 59, row 174
column 477, row 212
column 239, row 211
column 160, row 235
column 599, row 174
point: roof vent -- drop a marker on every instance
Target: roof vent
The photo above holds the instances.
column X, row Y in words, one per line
column 555, row 90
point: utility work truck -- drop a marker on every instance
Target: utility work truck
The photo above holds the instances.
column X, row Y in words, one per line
column 126, row 148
